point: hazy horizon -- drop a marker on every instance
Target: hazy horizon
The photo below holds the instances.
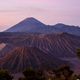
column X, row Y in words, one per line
column 47, row 11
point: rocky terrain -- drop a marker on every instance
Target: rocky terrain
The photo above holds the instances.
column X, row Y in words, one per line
column 38, row 51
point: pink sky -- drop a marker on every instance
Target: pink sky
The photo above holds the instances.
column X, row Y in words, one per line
column 47, row 11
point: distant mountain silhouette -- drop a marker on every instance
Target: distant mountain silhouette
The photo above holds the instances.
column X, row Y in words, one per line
column 32, row 25
column 75, row 30
column 38, row 50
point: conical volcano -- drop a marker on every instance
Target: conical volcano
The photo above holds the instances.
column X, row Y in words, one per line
column 20, row 58
column 27, row 25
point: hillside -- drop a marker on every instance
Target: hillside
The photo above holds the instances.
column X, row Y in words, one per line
column 52, row 49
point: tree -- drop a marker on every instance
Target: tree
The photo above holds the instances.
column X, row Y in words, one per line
column 78, row 53
column 64, row 73
column 31, row 74
column 4, row 75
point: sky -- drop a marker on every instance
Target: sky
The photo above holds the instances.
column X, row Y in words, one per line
column 49, row 12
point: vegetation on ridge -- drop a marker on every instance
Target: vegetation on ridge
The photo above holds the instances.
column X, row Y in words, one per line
column 62, row 73
column 78, row 53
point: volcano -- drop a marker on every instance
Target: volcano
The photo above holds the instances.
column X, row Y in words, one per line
column 31, row 43
column 39, row 51
column 28, row 25
column 20, row 58
column 32, row 25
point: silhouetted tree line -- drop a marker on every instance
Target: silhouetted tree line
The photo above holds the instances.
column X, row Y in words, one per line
column 78, row 53
column 63, row 73
column 5, row 75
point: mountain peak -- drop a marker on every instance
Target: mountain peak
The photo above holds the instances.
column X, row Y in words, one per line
column 27, row 25
column 31, row 20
